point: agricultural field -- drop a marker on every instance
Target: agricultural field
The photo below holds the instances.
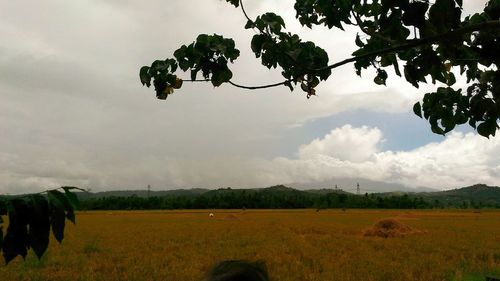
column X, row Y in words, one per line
column 296, row 245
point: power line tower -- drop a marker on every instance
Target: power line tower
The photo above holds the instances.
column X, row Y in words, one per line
column 358, row 191
column 336, row 187
column 149, row 190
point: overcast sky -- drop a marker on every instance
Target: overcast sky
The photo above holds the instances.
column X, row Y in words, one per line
column 73, row 112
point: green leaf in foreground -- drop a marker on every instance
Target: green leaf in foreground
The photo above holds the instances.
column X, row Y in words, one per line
column 16, row 240
column 39, row 225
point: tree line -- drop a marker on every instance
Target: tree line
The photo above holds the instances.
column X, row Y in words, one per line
column 276, row 199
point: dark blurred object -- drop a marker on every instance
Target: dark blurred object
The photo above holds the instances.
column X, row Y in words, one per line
column 239, row 270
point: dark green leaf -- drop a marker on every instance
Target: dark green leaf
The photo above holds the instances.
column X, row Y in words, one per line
column 72, row 198
column 144, row 76
column 414, row 14
column 381, row 77
column 358, row 41
column 16, row 240
column 221, row 76
column 487, row 128
column 57, row 198
column 193, row 74
column 417, row 109
column 57, row 220
column 39, row 225
column 249, row 24
column 411, row 75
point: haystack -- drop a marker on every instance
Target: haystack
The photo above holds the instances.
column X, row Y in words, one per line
column 390, row 228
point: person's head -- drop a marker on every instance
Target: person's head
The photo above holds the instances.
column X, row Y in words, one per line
column 239, row 270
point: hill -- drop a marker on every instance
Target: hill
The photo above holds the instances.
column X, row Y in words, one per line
column 476, row 195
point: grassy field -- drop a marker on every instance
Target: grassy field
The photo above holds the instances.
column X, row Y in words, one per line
column 297, row 245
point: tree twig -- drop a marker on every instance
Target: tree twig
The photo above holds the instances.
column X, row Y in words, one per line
column 259, row 87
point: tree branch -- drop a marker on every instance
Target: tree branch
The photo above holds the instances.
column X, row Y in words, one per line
column 419, row 42
column 259, row 87
column 243, row 86
column 410, row 44
column 244, row 12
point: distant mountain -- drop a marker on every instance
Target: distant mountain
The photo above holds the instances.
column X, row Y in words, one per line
column 479, row 194
column 365, row 185
column 143, row 193
column 471, row 194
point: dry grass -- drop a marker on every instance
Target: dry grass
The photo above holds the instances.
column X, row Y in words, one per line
column 297, row 246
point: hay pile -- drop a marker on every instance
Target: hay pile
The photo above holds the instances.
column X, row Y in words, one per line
column 390, row 228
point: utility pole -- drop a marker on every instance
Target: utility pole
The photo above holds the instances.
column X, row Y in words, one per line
column 149, row 190
column 358, row 191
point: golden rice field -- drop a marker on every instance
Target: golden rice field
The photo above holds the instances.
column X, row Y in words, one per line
column 297, row 245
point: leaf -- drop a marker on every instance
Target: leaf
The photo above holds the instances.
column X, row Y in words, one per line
column 221, row 76
column 39, row 225
column 417, row 109
column 16, row 240
column 57, row 220
column 58, row 199
column 193, row 74
column 414, row 14
column 257, row 42
column 249, row 24
column 411, row 75
column 177, row 84
column 451, row 80
column 381, row 77
column 358, row 41
column 487, row 128
column 144, row 76
column 235, row 3
column 72, row 198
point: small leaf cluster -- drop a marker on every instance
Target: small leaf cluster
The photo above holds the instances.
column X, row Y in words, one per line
column 477, row 58
column 209, row 54
column 301, row 62
column 31, row 218
column 161, row 72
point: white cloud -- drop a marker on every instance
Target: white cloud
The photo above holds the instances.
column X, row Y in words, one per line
column 458, row 160
column 346, row 143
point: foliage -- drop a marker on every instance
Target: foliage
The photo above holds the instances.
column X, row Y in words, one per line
column 422, row 40
column 30, row 219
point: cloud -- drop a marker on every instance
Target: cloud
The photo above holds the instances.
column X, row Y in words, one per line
column 346, row 143
column 458, row 160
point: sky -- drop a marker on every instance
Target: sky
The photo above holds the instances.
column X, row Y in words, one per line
column 73, row 111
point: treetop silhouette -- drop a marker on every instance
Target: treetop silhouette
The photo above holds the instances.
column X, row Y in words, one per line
column 421, row 40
